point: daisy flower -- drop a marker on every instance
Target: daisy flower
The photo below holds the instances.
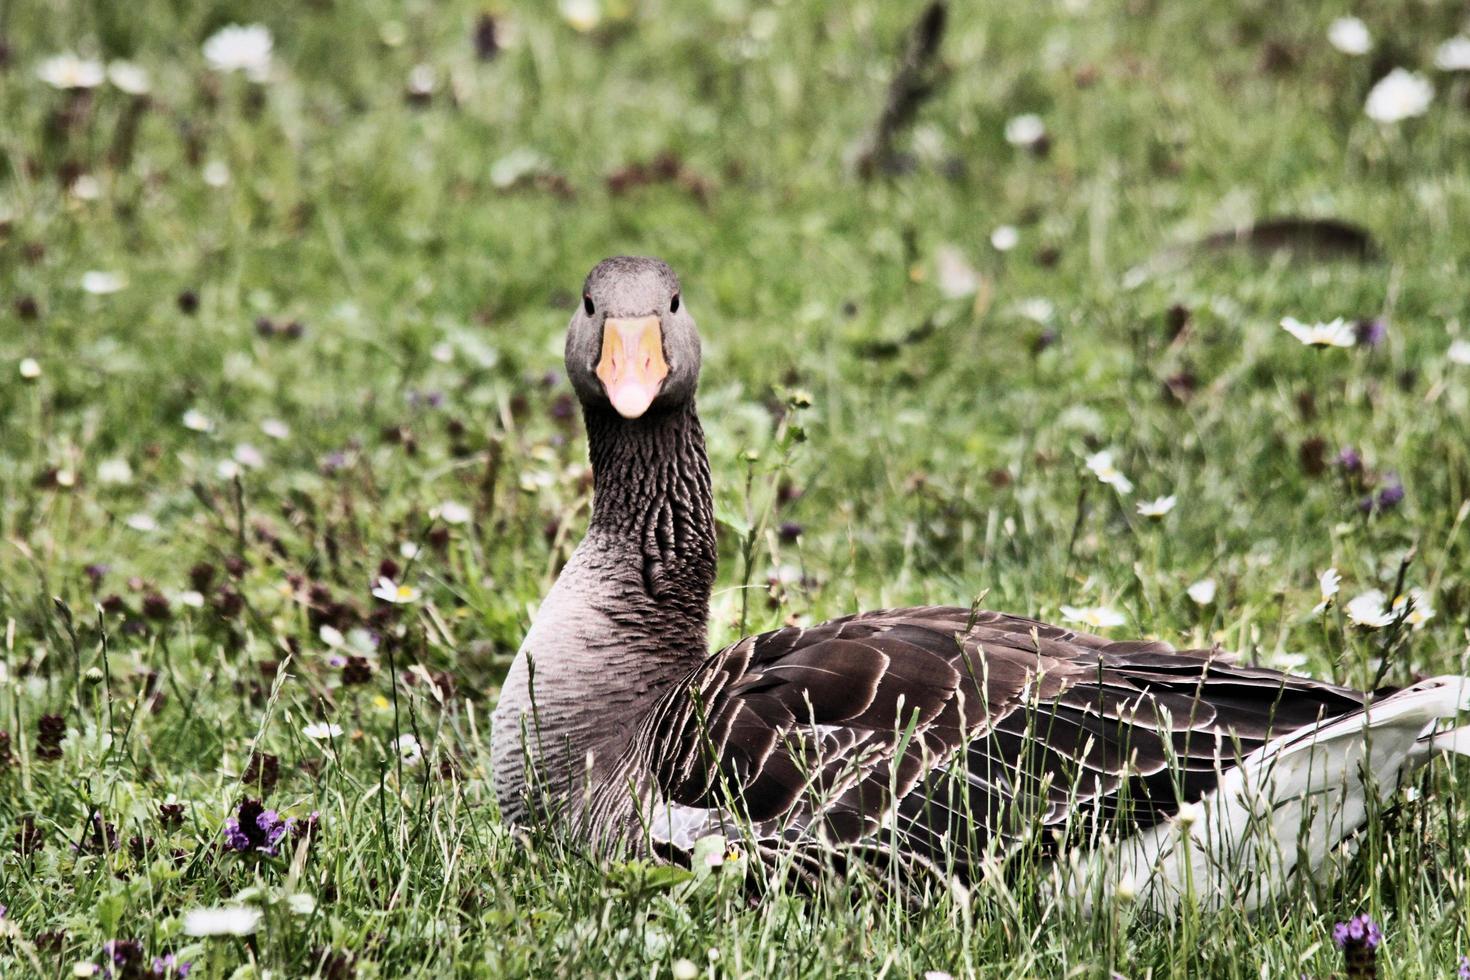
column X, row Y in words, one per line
column 1459, row 352
column 1399, row 95
column 390, row 591
column 129, row 77
column 100, row 283
column 1102, row 467
column 1202, row 592
column 1335, row 333
column 454, row 512
column 241, row 48
column 1372, row 609
column 228, row 920
column 1005, row 238
column 953, row 274
column 409, row 750
column 1454, row 54
column 69, row 72
column 1157, row 507
column 1350, row 36
column 196, row 421
column 1025, row 130
column 581, row 15
column 275, row 428
column 1329, row 581
column 319, row 730
column 30, row 369
column 1097, row 617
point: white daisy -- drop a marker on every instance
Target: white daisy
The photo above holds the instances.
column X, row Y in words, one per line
column 1335, row 333
column 1329, row 581
column 301, row 903
column 85, row 188
column 1005, row 238
column 216, row 174
column 1157, row 507
column 1350, row 36
column 241, row 48
column 142, row 523
column 331, row 636
column 191, row 598
column 454, row 512
column 1102, row 467
column 68, row 71
column 102, row 283
column 1399, row 95
column 1202, row 592
column 128, row 77
column 247, row 455
column 30, row 369
column 196, row 421
column 1097, row 617
column 581, row 15
column 1025, row 130
column 116, row 471
column 275, row 428
column 953, row 275
column 409, row 750
column 1454, row 54
column 228, row 920
column 319, row 730
column 227, row 469
column 390, row 591
column 1038, row 309
column 422, row 80
column 1372, row 610
column 1459, row 352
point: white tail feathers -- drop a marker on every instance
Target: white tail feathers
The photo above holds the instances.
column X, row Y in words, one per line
column 1289, row 803
column 1457, row 741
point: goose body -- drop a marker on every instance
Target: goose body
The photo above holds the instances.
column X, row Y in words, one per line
column 937, row 738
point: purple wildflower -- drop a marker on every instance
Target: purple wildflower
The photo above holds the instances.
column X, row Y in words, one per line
column 1464, row 971
column 1359, row 939
column 1371, row 333
column 1349, row 460
column 1391, row 495
column 122, row 958
column 171, row 966
column 254, row 829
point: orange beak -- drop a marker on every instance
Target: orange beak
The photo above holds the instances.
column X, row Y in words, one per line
column 632, row 367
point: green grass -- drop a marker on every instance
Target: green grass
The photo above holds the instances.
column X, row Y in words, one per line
column 949, row 469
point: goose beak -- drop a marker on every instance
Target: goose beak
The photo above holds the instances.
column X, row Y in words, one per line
column 632, row 368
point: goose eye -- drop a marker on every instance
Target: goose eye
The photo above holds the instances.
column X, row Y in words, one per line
column 587, row 303
column 674, row 304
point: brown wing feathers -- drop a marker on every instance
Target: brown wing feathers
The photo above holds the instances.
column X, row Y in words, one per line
column 1007, row 724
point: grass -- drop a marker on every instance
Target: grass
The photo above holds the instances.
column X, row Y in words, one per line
column 180, row 616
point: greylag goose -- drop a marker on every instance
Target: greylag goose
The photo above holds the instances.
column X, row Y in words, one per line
column 940, row 738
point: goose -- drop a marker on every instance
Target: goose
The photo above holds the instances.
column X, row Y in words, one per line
column 933, row 739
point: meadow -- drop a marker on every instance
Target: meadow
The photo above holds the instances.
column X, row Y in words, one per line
column 287, row 456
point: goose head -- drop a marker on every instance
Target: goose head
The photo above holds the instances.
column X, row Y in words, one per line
column 632, row 345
